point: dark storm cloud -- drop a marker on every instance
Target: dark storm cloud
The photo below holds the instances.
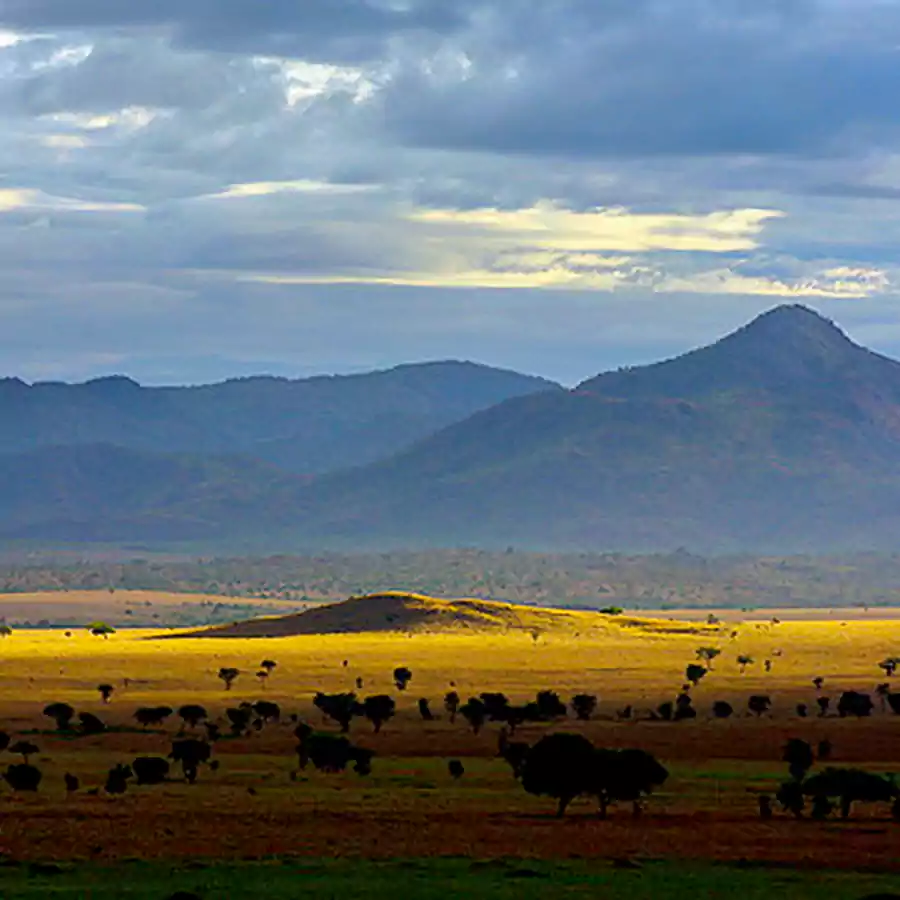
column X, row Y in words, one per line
column 691, row 78
column 345, row 30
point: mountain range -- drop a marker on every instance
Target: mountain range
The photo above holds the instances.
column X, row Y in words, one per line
column 781, row 437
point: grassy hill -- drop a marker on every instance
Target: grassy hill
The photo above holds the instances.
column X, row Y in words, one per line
column 397, row 611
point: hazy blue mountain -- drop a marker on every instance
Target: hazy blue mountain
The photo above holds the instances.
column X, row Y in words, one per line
column 784, row 436
column 306, row 426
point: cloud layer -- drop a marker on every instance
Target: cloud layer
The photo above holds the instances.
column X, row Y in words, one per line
column 198, row 189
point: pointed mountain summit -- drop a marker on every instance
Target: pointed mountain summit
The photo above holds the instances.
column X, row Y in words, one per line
column 788, row 347
column 783, row 436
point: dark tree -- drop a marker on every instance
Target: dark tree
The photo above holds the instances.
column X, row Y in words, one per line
column 722, row 709
column 4, row 740
column 626, row 712
column 626, row 775
column 71, row 782
column 451, row 704
column 62, row 714
column 192, row 714
column 893, row 701
column 549, row 706
column 802, row 710
column 694, row 673
column 5, row 631
column 340, row 708
column 378, row 710
column 744, row 661
column 889, row 666
column 117, row 779
column 425, row 710
column 106, row 691
column 475, row 713
column 455, row 768
column 824, row 749
column 25, row 748
column 213, row 732
column 513, row 752
column 759, row 704
column 190, row 753
column 823, row 703
column 150, row 769
column 268, row 712
column 268, row 665
column 684, row 708
column 584, row 705
column 799, row 757
column 495, row 705
column 152, row 715
column 560, row 766
column 853, row 703
column 333, row 753
column 101, row 629
column 238, row 719
column 23, row 777
column 228, row 674
column 262, row 675
column 91, row 724
column 666, row 711
column 818, row 682
column 402, row 677
column 850, row 786
column 707, row 655
column 359, row 683
column 765, row 807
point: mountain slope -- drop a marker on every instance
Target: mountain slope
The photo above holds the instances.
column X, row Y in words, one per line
column 306, row 426
column 784, row 435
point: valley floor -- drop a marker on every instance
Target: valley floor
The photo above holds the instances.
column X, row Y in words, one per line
column 343, row 834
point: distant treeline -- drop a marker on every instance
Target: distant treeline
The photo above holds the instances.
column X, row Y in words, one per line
column 662, row 581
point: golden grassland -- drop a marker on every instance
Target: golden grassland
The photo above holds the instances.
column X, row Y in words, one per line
column 410, row 806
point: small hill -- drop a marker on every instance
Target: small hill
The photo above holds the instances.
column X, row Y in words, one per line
column 394, row 611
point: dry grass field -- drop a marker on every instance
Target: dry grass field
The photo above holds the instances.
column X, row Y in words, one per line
column 410, row 808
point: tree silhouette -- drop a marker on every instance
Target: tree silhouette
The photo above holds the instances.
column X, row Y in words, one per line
column 267, row 711
column 228, row 674
column 456, row 769
column 341, row 708
column 425, row 710
column 239, row 719
column 584, row 705
column 25, row 748
column 559, row 766
column 818, row 681
column 402, row 677
column 722, row 709
column 117, row 779
column 744, row 661
column 824, row 703
column 799, row 757
column 5, row 631
column 23, row 777
column 106, row 691
column 548, row 706
column 152, row 715
column 150, row 769
column 889, row 666
column 190, row 752
column 708, row 654
column 192, row 714
column 759, row 704
column 62, row 714
column 474, row 712
column 451, row 704
column 90, row 724
column 101, row 629
column 694, row 673
column 378, row 709
column 269, row 665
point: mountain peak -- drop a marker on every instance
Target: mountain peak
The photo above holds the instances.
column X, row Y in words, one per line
column 792, row 322
column 787, row 346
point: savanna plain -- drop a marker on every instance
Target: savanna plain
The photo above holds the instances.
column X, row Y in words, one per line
column 256, row 824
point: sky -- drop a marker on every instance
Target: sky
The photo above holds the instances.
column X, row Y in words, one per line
column 192, row 190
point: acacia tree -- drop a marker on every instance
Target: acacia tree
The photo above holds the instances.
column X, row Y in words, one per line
column 62, row 714
column 378, row 710
column 583, row 705
column 694, row 673
column 707, row 655
column 451, row 704
column 106, row 691
column 228, row 674
column 402, row 677
column 192, row 714
column 744, row 661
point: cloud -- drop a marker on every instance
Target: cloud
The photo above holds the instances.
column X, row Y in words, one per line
column 14, row 199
